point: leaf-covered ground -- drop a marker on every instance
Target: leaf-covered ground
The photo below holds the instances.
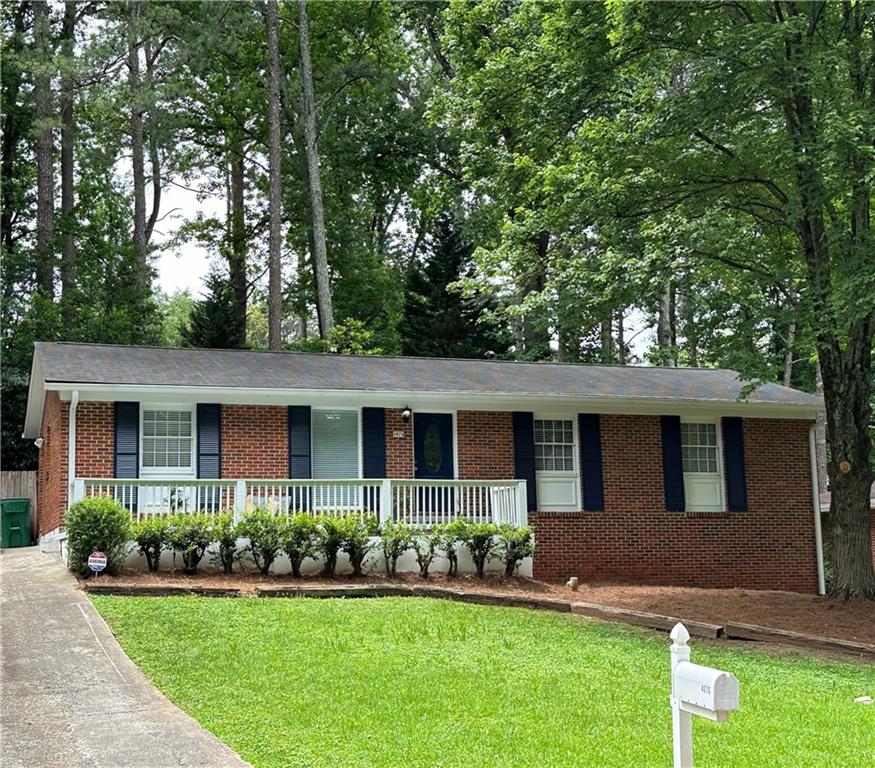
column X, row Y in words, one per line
column 417, row 682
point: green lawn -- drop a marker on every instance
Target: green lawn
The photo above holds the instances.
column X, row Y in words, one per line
column 401, row 682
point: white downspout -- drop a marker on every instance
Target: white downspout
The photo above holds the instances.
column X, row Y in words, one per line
column 71, row 447
column 815, row 492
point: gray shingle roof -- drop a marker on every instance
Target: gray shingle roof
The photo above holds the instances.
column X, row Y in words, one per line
column 105, row 364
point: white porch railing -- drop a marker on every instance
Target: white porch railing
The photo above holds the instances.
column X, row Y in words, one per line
column 419, row 502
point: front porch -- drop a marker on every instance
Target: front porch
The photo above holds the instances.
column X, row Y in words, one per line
column 416, row 502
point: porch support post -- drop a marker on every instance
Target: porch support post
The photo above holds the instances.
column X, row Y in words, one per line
column 522, row 507
column 386, row 514
column 239, row 500
column 78, row 490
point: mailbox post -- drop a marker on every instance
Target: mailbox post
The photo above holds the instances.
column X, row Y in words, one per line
column 695, row 690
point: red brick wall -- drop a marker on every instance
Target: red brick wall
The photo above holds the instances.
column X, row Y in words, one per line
column 255, row 441
column 399, row 450
column 51, row 494
column 95, row 439
column 771, row 546
column 485, row 445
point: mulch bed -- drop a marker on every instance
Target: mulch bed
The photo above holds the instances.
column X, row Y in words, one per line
column 808, row 614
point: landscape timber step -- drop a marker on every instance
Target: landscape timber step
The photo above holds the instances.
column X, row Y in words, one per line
column 159, row 590
column 649, row 620
column 492, row 598
column 737, row 631
column 365, row 590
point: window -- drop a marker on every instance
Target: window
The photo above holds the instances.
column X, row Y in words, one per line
column 168, row 439
column 335, row 455
column 700, row 453
column 699, row 447
column 554, row 445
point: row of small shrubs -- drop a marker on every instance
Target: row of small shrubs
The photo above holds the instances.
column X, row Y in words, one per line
column 103, row 524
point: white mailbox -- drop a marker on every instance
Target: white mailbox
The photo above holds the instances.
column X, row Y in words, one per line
column 705, row 691
column 695, row 690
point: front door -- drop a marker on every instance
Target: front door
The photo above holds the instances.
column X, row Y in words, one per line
column 433, row 446
column 433, row 460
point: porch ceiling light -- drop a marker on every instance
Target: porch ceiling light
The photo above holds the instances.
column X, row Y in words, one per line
column 38, row 442
column 406, row 414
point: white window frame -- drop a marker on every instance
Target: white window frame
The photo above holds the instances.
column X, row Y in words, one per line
column 715, row 480
column 175, row 473
column 545, row 478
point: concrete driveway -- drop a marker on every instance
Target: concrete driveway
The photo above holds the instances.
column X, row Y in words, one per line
column 70, row 696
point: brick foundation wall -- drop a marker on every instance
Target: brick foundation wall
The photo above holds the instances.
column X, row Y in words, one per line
column 485, row 445
column 771, row 546
column 51, row 494
column 255, row 441
column 399, row 450
column 95, row 439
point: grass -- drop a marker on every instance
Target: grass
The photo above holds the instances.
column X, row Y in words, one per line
column 416, row 682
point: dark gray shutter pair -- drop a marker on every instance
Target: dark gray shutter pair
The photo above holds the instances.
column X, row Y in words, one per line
column 733, row 463
column 591, row 479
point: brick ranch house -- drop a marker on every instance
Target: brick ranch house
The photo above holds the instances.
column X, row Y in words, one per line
column 651, row 474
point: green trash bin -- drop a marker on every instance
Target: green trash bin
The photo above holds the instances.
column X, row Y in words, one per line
column 14, row 523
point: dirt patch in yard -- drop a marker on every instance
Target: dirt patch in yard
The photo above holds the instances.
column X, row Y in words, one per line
column 852, row 620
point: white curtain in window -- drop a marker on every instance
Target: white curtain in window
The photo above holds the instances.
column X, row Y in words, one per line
column 335, row 436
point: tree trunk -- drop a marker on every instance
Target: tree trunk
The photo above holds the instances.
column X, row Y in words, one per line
column 12, row 134
column 787, row 377
column 237, row 250
column 621, row 338
column 664, row 327
column 274, row 295
column 45, row 179
column 152, row 131
column 820, row 437
column 607, row 337
column 535, row 331
column 317, row 211
column 844, row 351
column 68, row 136
column 137, row 152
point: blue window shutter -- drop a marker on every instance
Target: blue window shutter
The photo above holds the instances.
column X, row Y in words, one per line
column 126, row 449
column 299, row 442
column 209, row 440
column 127, row 440
column 733, row 460
column 592, row 482
column 373, row 442
column 672, row 464
column 524, row 455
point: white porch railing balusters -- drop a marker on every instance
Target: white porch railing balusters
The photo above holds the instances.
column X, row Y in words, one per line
column 426, row 502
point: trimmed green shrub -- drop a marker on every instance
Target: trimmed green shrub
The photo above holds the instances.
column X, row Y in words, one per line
column 426, row 542
column 395, row 539
column 479, row 540
column 301, row 540
column 331, row 533
column 450, row 534
column 98, row 524
column 190, row 535
column 225, row 534
column 265, row 533
column 514, row 545
column 151, row 537
column 357, row 539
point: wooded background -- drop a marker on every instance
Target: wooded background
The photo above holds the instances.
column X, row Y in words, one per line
column 538, row 179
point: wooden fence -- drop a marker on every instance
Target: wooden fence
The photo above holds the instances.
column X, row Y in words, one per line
column 20, row 485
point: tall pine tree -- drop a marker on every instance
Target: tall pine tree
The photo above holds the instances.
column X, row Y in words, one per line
column 438, row 321
column 213, row 323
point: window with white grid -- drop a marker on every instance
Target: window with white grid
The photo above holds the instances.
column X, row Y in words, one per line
column 167, row 439
column 699, row 448
column 554, row 445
